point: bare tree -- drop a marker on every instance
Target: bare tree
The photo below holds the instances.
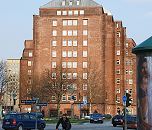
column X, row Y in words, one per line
column 3, row 79
column 93, row 84
column 54, row 83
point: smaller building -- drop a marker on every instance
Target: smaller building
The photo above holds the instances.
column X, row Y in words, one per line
column 11, row 96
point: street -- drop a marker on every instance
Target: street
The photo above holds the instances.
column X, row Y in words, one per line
column 87, row 126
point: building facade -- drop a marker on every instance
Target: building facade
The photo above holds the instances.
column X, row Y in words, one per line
column 83, row 38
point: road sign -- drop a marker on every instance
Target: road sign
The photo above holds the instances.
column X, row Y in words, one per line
column 124, row 98
column 85, row 102
column 42, row 104
column 28, row 101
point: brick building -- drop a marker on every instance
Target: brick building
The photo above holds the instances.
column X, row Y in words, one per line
column 84, row 38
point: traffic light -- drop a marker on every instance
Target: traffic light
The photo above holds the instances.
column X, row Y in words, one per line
column 129, row 99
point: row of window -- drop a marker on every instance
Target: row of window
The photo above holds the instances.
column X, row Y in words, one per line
column 128, row 62
column 130, row 72
column 69, row 32
column 70, row 43
column 69, row 22
column 69, row 75
column 70, row 12
column 70, row 3
column 128, row 81
column 69, row 64
column 69, row 54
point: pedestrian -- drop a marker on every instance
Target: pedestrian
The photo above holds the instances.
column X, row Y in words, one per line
column 66, row 125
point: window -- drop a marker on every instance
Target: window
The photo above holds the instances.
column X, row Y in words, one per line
column 130, row 81
column 84, row 64
column 30, row 54
column 64, row 12
column 74, row 64
column 85, row 43
column 53, row 43
column 64, row 43
column 69, row 32
column 63, row 3
column 118, row 71
column 118, row 34
column 75, row 86
column 78, row 2
column 54, row 33
column 118, row 81
column 69, row 42
column 75, row 22
column 126, row 53
column 74, row 32
column 75, row 43
column 81, row 12
column 85, row 86
column 118, row 90
column 29, row 63
column 74, row 53
column 69, row 22
column 53, row 64
column 63, row 64
column 69, row 64
column 118, row 62
column 85, row 22
column 53, row 75
column 65, row 22
column 84, row 53
column 70, row 2
column 69, row 97
column 75, row 12
column 63, row 53
column 75, row 97
column 126, row 71
column 53, row 98
column 85, row 32
column 69, row 53
column 29, row 72
column 118, row 52
column 64, row 32
column 117, row 25
column 58, row 12
column 84, row 75
column 53, row 53
column 69, row 75
column 130, row 72
column 63, row 97
column 70, row 12
column 54, row 23
column 63, row 75
column 74, row 75
column 127, row 45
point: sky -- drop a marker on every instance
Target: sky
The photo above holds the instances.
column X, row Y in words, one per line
column 16, row 21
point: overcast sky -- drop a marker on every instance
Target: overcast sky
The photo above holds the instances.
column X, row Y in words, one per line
column 16, row 21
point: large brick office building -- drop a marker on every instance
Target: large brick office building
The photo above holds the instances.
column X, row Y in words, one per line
column 83, row 37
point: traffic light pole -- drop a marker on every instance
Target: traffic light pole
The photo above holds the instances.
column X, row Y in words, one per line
column 125, row 123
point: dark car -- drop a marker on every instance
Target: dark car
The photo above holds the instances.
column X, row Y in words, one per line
column 96, row 118
column 131, row 121
column 20, row 121
column 117, row 120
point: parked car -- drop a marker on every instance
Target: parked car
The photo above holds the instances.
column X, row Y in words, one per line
column 87, row 117
column 131, row 121
column 21, row 121
column 117, row 120
column 96, row 118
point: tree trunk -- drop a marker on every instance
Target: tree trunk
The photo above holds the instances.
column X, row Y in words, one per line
column 58, row 109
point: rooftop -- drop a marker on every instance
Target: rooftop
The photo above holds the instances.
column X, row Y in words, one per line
column 70, row 3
